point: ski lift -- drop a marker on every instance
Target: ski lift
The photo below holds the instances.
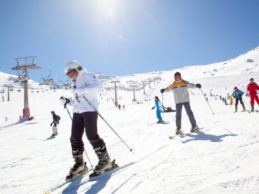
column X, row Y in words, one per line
column 23, row 78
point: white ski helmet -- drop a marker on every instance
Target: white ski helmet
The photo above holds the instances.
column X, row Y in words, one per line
column 72, row 65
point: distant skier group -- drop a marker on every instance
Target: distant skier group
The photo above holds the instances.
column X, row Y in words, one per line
column 181, row 98
column 252, row 89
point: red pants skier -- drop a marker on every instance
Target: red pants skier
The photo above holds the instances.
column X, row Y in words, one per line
column 252, row 88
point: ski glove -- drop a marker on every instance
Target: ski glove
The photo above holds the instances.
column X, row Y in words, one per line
column 198, row 85
column 162, row 91
column 64, row 101
column 153, row 107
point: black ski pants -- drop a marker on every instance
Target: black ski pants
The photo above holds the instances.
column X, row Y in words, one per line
column 85, row 121
column 239, row 99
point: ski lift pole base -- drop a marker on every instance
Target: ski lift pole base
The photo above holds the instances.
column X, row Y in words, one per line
column 26, row 114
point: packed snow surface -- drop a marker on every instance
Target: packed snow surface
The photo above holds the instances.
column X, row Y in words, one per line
column 222, row 158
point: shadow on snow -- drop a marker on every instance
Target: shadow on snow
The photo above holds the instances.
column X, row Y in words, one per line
column 206, row 137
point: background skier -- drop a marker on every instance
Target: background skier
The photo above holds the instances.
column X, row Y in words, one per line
column 181, row 98
column 159, row 109
column 54, row 123
column 85, row 86
column 237, row 94
column 252, row 88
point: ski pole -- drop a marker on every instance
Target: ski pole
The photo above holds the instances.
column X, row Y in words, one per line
column 245, row 102
column 162, row 99
column 130, row 149
column 68, row 113
column 84, row 149
column 207, row 101
column 228, row 131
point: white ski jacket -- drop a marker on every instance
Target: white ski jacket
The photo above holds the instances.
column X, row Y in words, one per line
column 85, row 87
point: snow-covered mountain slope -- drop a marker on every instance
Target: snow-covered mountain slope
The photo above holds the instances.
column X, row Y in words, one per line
column 14, row 82
column 221, row 158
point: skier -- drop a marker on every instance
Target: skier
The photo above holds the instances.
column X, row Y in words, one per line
column 181, row 97
column 252, row 88
column 159, row 110
column 54, row 123
column 237, row 94
column 85, row 87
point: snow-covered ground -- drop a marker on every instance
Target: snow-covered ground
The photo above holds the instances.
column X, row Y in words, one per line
column 221, row 158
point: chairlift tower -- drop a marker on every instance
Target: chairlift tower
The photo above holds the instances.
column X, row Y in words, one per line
column 144, row 82
column 24, row 79
column 134, row 91
column 115, row 89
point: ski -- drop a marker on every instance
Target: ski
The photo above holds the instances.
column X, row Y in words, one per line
column 111, row 172
column 177, row 135
column 182, row 135
column 256, row 111
column 67, row 181
column 164, row 122
column 95, row 174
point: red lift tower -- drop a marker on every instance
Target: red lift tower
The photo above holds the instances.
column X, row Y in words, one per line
column 24, row 79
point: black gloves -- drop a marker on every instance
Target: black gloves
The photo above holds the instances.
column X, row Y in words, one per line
column 64, row 101
column 162, row 91
column 198, row 85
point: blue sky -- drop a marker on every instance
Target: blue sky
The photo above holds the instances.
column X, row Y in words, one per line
column 121, row 37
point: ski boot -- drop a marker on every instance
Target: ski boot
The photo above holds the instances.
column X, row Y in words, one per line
column 194, row 128
column 104, row 159
column 104, row 163
column 161, row 121
column 236, row 108
column 79, row 167
column 179, row 132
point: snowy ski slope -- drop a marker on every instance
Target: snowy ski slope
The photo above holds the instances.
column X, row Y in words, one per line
column 222, row 158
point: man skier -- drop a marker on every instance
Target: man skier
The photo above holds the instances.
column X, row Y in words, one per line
column 159, row 110
column 252, row 88
column 237, row 94
column 85, row 89
column 54, row 123
column 181, row 97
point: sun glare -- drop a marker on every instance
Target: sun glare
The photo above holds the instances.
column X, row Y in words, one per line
column 107, row 8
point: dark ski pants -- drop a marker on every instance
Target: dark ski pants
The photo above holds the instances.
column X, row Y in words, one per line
column 189, row 112
column 239, row 99
column 241, row 102
column 85, row 121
